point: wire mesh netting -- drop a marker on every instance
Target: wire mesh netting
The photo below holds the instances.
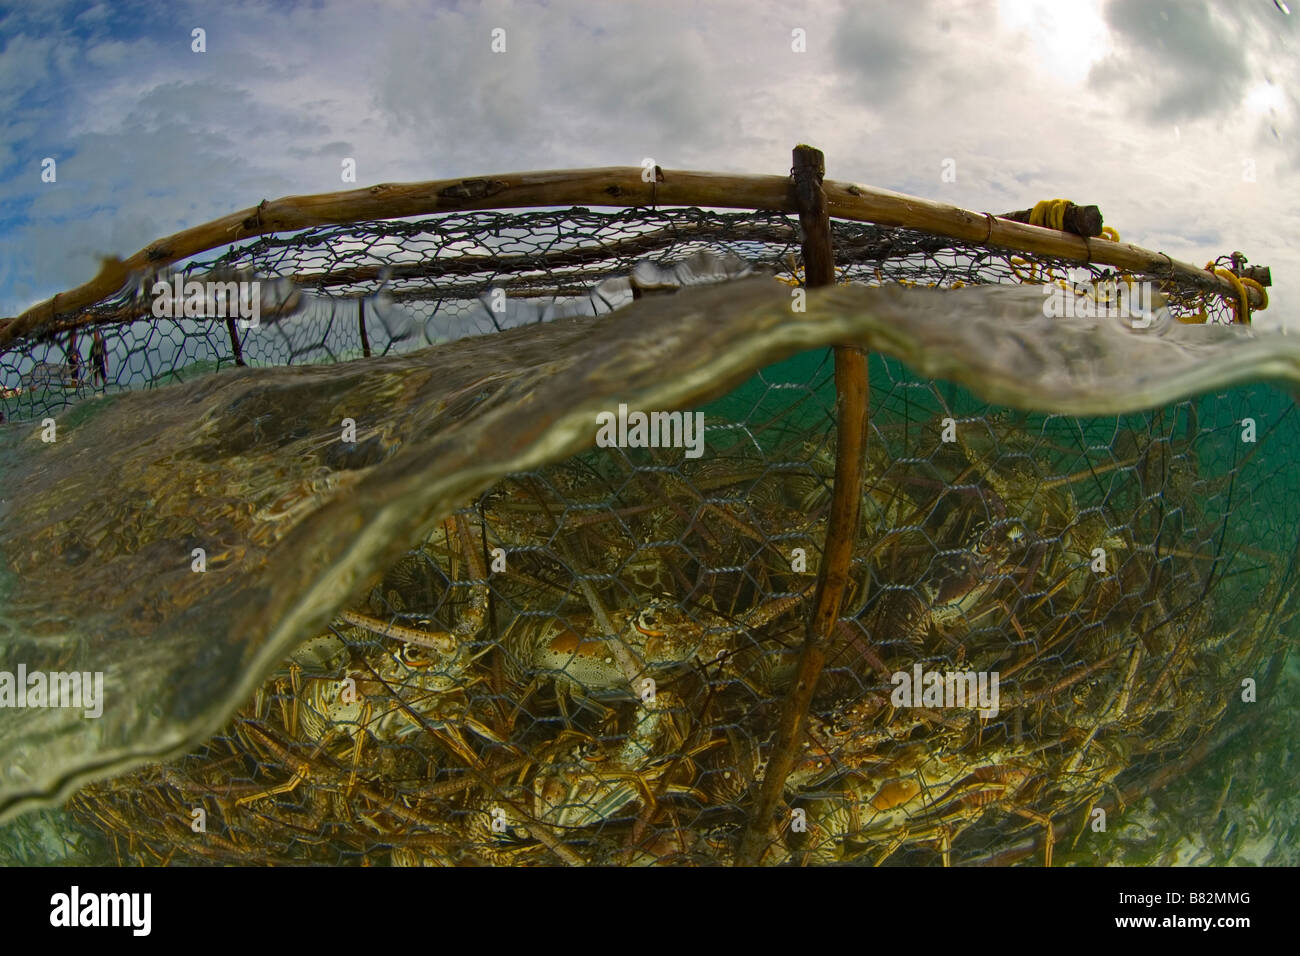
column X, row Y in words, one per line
column 1046, row 616
column 334, row 293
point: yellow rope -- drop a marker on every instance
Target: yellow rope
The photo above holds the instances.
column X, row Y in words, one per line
column 1049, row 213
column 1263, row 293
column 1196, row 318
column 1013, row 261
column 1033, row 278
column 1240, row 305
column 1241, row 308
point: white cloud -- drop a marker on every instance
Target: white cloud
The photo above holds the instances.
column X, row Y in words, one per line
column 1030, row 100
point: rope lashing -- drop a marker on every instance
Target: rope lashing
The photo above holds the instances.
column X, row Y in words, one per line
column 1239, row 302
column 1050, row 214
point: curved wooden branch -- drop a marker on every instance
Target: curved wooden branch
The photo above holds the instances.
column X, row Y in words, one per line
column 619, row 186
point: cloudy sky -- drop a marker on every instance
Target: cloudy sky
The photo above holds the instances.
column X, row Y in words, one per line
column 1180, row 119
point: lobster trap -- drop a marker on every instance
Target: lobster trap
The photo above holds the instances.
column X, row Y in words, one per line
column 615, row 657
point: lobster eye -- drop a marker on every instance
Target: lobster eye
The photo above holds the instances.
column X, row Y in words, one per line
column 413, row 656
column 647, row 622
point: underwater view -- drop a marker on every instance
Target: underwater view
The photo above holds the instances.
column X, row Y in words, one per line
column 556, row 653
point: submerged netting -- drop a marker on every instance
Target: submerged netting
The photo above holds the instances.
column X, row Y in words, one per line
column 1045, row 615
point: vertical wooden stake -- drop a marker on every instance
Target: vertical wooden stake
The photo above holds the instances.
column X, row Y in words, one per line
column 99, row 357
column 361, row 325
column 842, row 529
column 74, row 357
column 234, row 341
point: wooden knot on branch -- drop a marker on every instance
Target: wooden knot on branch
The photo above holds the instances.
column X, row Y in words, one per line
column 251, row 224
column 112, row 274
column 1261, row 274
column 471, row 189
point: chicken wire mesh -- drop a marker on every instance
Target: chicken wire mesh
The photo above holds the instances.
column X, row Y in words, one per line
column 1045, row 615
column 340, row 292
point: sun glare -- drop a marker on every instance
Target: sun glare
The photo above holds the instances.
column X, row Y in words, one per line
column 1067, row 38
column 1264, row 98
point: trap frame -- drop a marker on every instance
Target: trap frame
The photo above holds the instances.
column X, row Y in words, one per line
column 772, row 735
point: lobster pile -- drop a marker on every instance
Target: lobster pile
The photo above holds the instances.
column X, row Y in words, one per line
column 588, row 666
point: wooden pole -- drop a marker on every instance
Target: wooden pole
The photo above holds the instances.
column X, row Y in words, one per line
column 74, row 357
column 851, row 389
column 235, row 347
column 99, row 357
column 619, row 186
column 361, row 326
